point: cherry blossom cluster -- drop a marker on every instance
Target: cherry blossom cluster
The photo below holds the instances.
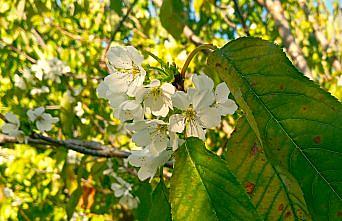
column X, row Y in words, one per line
column 44, row 69
column 155, row 113
column 42, row 120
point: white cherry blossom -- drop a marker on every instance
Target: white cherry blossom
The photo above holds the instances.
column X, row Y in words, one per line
column 11, row 127
column 43, row 120
column 125, row 63
column 152, row 133
column 19, row 82
column 50, row 69
column 129, row 110
column 114, row 88
column 156, row 97
column 197, row 113
column 223, row 104
column 148, row 162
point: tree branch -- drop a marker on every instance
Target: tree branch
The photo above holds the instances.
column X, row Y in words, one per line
column 85, row 147
column 277, row 12
column 239, row 14
column 118, row 27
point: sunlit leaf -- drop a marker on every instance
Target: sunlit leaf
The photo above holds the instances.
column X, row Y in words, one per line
column 274, row 193
column 203, row 188
column 297, row 123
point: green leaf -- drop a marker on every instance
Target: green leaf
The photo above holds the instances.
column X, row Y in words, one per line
column 116, row 5
column 172, row 17
column 275, row 194
column 144, row 193
column 73, row 201
column 203, row 188
column 161, row 209
column 297, row 123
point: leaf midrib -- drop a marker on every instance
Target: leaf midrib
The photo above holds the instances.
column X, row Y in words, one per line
column 279, row 124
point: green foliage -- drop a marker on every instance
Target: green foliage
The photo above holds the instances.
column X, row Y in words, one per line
column 172, row 17
column 162, row 209
column 297, row 123
column 203, row 188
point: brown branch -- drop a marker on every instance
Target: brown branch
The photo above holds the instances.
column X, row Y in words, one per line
column 277, row 12
column 85, row 147
column 319, row 35
column 12, row 48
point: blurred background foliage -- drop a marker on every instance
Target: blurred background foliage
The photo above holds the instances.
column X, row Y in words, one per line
column 43, row 183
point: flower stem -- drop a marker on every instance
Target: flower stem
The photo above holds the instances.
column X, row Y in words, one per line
column 192, row 55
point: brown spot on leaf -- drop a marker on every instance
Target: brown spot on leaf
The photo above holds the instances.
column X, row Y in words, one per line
column 300, row 212
column 253, row 84
column 304, row 108
column 288, row 214
column 281, row 207
column 249, row 187
column 255, row 149
column 339, row 213
column 209, row 158
column 218, row 65
column 281, row 87
column 317, row 139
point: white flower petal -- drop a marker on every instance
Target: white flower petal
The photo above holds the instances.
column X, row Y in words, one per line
column 221, row 93
column 159, row 143
column 180, row 100
column 117, row 83
column 194, row 129
column 174, row 141
column 154, row 83
column 9, row 128
column 210, row 117
column 43, row 125
column 135, row 55
column 177, row 123
column 12, row 118
column 115, row 100
column 142, row 138
column 146, row 172
column 102, row 90
column 118, row 57
column 168, row 89
column 136, row 83
column 202, row 99
column 228, row 107
column 138, row 158
column 203, row 82
column 162, row 112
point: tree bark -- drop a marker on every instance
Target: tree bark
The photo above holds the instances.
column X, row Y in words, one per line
column 277, row 12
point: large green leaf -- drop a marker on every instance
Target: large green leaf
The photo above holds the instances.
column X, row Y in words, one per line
column 275, row 194
column 203, row 188
column 297, row 123
column 161, row 209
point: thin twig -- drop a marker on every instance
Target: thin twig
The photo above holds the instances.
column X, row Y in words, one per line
column 239, row 14
column 118, row 27
column 28, row 57
column 192, row 55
